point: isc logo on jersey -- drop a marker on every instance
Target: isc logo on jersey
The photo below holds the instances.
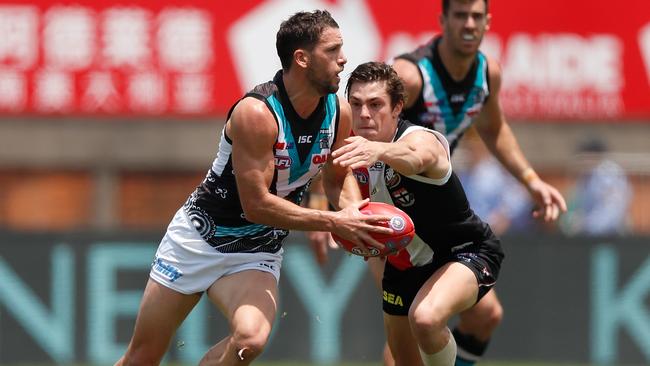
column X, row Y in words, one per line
column 282, row 162
column 304, row 139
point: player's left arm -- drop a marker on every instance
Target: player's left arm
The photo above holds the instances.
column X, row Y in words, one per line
column 339, row 183
column 498, row 137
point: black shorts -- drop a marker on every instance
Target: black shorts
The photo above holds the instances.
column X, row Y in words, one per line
column 400, row 287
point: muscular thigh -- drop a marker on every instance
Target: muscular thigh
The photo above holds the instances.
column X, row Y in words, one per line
column 450, row 290
column 162, row 310
column 249, row 296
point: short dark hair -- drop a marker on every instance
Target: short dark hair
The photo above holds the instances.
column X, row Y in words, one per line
column 301, row 30
column 378, row 71
column 445, row 6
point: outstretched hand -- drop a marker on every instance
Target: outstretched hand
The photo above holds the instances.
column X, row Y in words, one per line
column 549, row 203
column 357, row 153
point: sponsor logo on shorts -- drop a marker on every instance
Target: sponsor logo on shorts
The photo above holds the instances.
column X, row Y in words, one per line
column 167, row 270
column 467, row 257
column 267, row 265
column 486, row 272
column 393, row 299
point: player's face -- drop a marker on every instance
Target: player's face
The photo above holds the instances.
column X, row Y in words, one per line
column 372, row 115
column 326, row 62
column 464, row 25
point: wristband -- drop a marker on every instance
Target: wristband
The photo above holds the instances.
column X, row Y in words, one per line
column 528, row 175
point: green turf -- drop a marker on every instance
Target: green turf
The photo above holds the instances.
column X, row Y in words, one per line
column 512, row 363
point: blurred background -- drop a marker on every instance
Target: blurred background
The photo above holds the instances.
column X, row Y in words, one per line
column 110, row 114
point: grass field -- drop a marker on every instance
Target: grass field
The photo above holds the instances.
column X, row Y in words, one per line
column 379, row 364
column 351, row 364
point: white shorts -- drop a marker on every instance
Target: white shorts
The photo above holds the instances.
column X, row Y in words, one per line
column 185, row 263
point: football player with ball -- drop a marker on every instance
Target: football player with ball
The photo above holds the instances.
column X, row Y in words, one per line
column 454, row 258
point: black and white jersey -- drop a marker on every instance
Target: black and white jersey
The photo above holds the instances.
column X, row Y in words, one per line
column 301, row 149
column 443, row 219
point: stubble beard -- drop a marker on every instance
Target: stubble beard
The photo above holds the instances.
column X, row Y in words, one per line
column 322, row 85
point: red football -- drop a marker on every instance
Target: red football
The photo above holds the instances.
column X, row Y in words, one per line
column 400, row 222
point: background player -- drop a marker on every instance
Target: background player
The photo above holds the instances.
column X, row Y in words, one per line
column 450, row 85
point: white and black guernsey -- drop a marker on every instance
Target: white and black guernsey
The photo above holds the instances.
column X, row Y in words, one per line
column 439, row 208
column 444, row 104
column 301, row 149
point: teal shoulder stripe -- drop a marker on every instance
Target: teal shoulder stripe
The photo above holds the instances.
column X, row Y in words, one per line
column 330, row 110
column 436, row 84
column 288, row 136
column 277, row 107
column 451, row 120
column 480, row 71
column 479, row 84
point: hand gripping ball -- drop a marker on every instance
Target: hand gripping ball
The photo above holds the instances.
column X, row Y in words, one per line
column 400, row 222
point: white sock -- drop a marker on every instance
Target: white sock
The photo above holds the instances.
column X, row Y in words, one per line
column 444, row 357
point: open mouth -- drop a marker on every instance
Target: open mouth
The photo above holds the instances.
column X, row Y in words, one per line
column 469, row 37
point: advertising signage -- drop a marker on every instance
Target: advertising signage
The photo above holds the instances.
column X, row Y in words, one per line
column 581, row 60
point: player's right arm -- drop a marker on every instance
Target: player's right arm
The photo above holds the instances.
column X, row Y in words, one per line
column 253, row 132
column 418, row 153
column 411, row 78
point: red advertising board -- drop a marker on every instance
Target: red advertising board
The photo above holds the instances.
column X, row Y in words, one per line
column 584, row 60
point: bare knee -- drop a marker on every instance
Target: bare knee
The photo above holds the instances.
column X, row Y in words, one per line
column 249, row 341
column 427, row 324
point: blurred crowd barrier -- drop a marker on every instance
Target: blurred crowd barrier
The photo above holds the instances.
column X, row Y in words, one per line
column 133, row 175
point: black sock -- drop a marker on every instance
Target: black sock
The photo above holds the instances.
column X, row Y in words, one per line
column 470, row 349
